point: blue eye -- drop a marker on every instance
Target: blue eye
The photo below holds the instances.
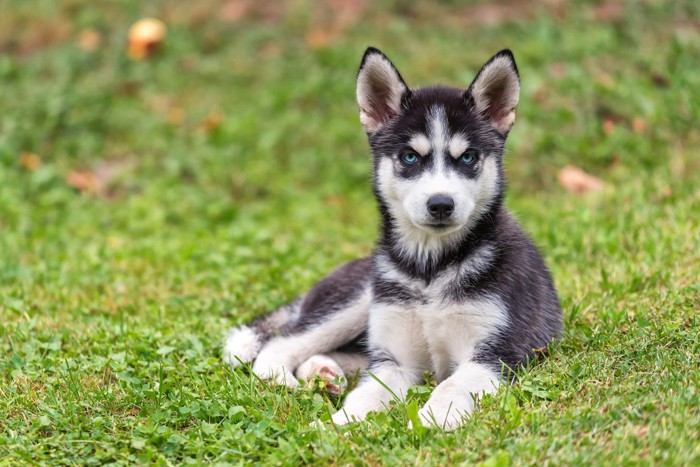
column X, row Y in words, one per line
column 469, row 157
column 409, row 158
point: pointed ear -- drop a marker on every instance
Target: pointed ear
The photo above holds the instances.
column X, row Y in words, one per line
column 495, row 91
column 380, row 90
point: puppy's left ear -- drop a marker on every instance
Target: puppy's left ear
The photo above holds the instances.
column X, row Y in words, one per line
column 380, row 90
column 495, row 91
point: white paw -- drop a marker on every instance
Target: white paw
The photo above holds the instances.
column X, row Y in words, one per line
column 319, row 425
column 242, row 345
column 356, row 409
column 445, row 412
column 327, row 369
column 341, row 418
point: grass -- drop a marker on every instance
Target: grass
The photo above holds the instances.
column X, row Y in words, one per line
column 229, row 173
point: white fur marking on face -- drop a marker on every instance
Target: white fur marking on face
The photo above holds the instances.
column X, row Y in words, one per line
column 420, row 143
column 458, row 144
column 487, row 186
column 440, row 141
column 406, row 199
column 438, row 131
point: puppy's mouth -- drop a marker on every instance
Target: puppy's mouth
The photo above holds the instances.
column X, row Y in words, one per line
column 440, row 228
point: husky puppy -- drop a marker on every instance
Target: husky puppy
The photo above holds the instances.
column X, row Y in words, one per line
column 454, row 286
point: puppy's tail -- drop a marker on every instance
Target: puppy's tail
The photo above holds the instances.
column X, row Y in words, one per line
column 243, row 343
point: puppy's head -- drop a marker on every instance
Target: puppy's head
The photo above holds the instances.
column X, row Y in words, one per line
column 437, row 151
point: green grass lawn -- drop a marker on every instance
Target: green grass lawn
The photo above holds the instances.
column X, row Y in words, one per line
column 229, row 173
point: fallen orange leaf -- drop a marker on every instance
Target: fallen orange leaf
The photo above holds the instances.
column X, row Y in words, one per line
column 89, row 39
column 608, row 126
column 576, row 180
column 639, row 125
column 212, row 121
column 29, row 161
column 175, row 115
column 604, row 79
column 145, row 37
column 87, row 182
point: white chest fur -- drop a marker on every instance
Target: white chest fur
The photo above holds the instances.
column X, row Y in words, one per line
column 436, row 333
column 453, row 331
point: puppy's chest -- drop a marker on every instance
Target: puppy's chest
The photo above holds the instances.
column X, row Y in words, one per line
column 452, row 328
column 449, row 324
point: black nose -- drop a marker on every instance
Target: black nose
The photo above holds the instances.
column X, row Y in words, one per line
column 440, row 206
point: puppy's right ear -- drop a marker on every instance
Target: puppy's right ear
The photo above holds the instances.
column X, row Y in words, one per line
column 380, row 90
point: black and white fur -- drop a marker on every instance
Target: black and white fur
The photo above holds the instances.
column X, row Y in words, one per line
column 454, row 286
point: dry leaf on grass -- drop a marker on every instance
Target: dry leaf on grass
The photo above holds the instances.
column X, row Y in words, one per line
column 175, row 115
column 85, row 181
column 89, row 39
column 212, row 121
column 98, row 181
column 576, row 180
column 145, row 37
column 639, row 125
column 29, row 161
column 609, row 126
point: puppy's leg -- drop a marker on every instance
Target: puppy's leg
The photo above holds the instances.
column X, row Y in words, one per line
column 388, row 380
column 243, row 343
column 395, row 343
column 332, row 368
column 325, row 368
column 455, row 398
column 282, row 355
column 350, row 362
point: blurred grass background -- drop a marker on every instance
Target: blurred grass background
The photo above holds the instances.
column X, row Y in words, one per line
column 145, row 206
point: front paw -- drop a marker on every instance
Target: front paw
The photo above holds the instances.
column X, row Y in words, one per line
column 444, row 414
column 352, row 413
column 340, row 418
